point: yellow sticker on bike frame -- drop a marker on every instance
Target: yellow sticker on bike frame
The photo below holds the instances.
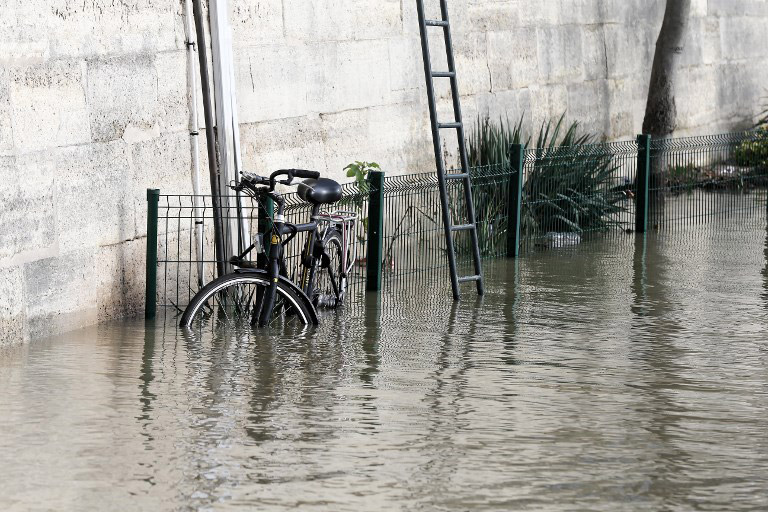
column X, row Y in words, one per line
column 275, row 240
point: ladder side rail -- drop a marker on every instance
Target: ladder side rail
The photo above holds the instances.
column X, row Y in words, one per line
column 436, row 143
column 462, row 147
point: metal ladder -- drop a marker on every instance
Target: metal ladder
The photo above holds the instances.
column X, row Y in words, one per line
column 455, row 124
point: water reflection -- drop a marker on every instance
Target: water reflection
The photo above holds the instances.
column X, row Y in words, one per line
column 628, row 375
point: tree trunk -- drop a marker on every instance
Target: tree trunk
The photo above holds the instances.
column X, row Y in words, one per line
column 660, row 110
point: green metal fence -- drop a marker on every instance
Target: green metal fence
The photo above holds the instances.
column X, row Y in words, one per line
column 547, row 198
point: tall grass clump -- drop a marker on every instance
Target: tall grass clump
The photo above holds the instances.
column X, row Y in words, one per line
column 570, row 185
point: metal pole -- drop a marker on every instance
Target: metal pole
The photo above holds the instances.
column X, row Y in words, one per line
column 194, row 135
column 150, row 300
column 210, row 137
column 375, row 251
column 516, row 161
column 642, row 181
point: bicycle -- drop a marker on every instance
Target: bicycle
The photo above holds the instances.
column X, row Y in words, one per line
column 261, row 293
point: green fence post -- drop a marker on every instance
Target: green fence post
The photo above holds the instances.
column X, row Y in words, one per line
column 516, row 162
column 641, row 181
column 375, row 251
column 150, row 301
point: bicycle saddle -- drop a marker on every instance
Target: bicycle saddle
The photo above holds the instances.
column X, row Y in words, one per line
column 319, row 191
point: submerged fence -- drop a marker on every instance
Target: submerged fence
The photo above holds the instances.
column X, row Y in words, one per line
column 544, row 198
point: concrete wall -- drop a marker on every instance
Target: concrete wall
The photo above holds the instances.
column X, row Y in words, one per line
column 93, row 110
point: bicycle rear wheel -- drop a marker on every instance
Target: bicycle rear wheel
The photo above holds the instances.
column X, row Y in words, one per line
column 235, row 300
column 329, row 288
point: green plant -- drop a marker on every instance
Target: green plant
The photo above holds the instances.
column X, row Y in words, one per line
column 359, row 170
column 489, row 142
column 569, row 187
column 754, row 152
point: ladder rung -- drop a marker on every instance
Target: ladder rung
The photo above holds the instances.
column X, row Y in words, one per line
column 462, row 227
column 466, row 279
column 436, row 23
column 456, row 176
column 443, row 74
column 449, row 125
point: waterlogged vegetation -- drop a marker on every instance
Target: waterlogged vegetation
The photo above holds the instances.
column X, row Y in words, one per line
column 571, row 185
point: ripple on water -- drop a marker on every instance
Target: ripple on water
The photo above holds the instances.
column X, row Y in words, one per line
column 610, row 376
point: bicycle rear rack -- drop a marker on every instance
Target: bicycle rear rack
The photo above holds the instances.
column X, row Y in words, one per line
column 346, row 222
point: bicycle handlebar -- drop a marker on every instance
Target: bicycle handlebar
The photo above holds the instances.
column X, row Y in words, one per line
column 303, row 173
column 254, row 179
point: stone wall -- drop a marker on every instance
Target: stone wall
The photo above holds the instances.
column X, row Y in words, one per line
column 93, row 110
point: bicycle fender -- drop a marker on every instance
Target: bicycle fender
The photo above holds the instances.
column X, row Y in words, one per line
column 290, row 284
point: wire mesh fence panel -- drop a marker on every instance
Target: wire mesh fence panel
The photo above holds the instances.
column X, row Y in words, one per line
column 572, row 192
column 186, row 246
column 355, row 201
column 414, row 239
column 695, row 178
column 568, row 194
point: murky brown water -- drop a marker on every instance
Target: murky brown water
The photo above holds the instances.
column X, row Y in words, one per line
column 613, row 376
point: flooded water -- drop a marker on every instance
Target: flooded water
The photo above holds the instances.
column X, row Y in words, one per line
column 615, row 375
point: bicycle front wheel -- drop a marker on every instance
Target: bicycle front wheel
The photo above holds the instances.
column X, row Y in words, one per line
column 235, row 300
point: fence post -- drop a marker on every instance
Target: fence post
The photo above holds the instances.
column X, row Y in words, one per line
column 641, row 182
column 150, row 300
column 375, row 252
column 516, row 162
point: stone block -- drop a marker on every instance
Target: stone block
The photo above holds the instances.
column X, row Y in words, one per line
column 588, row 103
column 744, row 37
column 506, row 105
column 95, row 195
column 349, row 75
column 406, row 69
column 559, row 53
column 513, row 59
column 390, row 135
column 49, row 106
column 256, row 23
column 23, row 40
column 535, row 13
column 697, row 96
column 625, row 108
column 341, row 20
column 11, row 306
column 729, row 8
column 122, row 93
column 120, row 280
column 60, row 293
column 471, row 59
column 484, row 16
column 738, row 90
column 173, row 91
column 97, row 28
column 710, row 40
column 699, row 8
column 629, row 51
column 164, row 163
column 582, row 12
column 548, row 102
column 6, row 131
column 594, row 52
column 27, row 209
column 272, row 81
column 283, row 143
